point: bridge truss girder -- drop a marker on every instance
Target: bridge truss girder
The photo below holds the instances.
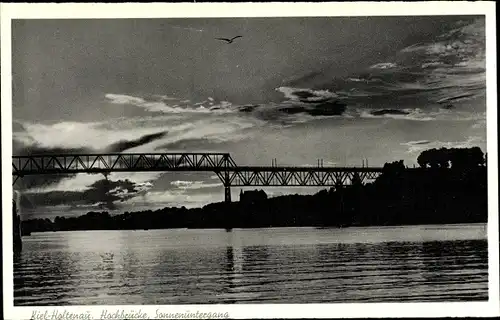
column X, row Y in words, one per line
column 105, row 163
column 220, row 163
column 296, row 177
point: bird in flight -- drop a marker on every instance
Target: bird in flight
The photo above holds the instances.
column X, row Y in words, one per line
column 229, row 40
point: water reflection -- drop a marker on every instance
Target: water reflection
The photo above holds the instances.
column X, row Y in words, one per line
column 246, row 266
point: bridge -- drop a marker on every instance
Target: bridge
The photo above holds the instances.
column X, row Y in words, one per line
column 230, row 174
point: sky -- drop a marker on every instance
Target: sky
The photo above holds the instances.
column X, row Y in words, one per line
column 341, row 89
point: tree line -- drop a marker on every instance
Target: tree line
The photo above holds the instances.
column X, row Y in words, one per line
column 458, row 158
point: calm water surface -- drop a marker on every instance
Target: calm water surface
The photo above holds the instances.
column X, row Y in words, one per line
column 286, row 265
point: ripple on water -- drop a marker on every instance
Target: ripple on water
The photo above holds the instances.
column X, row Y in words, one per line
column 131, row 268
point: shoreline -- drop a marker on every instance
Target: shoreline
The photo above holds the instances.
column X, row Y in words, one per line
column 291, row 236
column 367, row 227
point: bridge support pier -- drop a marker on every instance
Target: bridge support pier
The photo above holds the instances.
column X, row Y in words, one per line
column 227, row 187
column 16, row 226
column 227, row 194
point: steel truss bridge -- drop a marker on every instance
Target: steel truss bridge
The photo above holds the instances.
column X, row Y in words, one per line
column 221, row 164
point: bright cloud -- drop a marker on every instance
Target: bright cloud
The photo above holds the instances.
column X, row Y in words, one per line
column 98, row 136
column 415, row 147
column 78, row 134
column 187, row 185
column 305, row 94
column 160, row 199
column 80, row 182
column 384, row 65
column 417, row 114
column 162, row 107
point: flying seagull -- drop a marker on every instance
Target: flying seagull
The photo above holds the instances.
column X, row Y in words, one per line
column 229, row 40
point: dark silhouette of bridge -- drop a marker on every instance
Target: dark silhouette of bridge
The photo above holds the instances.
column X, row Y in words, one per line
column 221, row 164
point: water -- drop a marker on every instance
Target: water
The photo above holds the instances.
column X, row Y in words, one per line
column 286, row 265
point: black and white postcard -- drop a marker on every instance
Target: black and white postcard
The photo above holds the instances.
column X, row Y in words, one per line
column 167, row 161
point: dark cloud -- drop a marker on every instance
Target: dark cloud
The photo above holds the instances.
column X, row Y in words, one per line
column 329, row 108
column 454, row 98
column 104, row 193
column 122, row 145
column 311, row 102
column 442, row 68
column 388, row 111
column 42, row 151
column 248, row 108
column 129, row 144
column 200, row 145
column 304, row 95
column 416, row 143
column 422, row 142
column 37, row 181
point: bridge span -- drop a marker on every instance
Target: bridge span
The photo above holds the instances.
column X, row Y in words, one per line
column 221, row 164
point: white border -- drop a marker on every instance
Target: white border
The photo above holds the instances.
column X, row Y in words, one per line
column 134, row 10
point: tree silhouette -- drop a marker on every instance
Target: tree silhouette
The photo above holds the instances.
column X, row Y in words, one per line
column 459, row 158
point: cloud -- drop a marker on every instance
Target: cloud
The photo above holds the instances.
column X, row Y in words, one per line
column 384, row 65
column 432, row 64
column 404, row 114
column 85, row 190
column 388, row 112
column 129, row 144
column 418, row 114
column 158, row 104
column 122, row 189
column 447, row 68
column 76, row 183
column 117, row 135
column 177, row 198
column 210, row 130
column 104, row 193
column 187, row 28
column 455, row 98
column 78, row 136
column 419, row 146
column 135, row 134
column 35, row 147
column 37, row 181
column 419, row 142
column 33, row 150
column 124, row 99
column 306, row 95
column 301, row 101
column 189, row 185
column 71, row 182
column 82, row 182
column 464, row 42
column 454, row 62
